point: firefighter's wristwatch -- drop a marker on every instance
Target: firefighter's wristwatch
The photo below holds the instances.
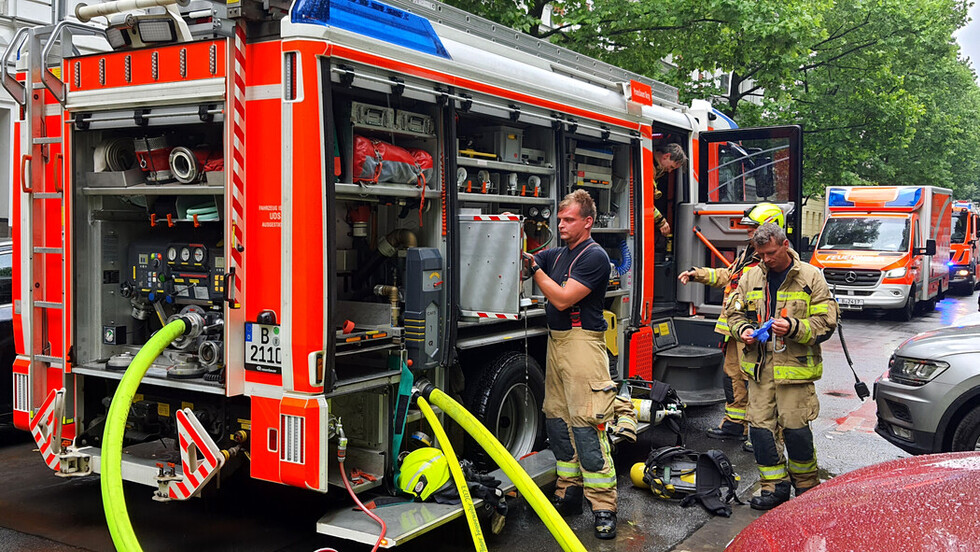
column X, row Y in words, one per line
column 534, row 269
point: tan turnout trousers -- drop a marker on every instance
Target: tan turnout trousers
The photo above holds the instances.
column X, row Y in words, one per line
column 578, row 402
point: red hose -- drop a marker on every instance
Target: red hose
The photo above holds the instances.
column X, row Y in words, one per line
column 384, row 528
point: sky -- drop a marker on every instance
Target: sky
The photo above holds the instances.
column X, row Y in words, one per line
column 969, row 38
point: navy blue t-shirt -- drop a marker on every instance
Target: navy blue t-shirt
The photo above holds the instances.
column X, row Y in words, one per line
column 591, row 269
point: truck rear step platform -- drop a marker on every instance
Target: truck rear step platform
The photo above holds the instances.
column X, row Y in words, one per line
column 410, row 519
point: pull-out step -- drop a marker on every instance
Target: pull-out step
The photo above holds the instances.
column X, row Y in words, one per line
column 411, row 519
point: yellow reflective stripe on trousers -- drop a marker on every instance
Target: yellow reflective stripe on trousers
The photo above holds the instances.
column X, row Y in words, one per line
column 773, row 472
column 748, row 368
column 798, row 372
column 735, row 413
column 567, row 469
column 599, row 481
column 818, row 309
column 802, row 467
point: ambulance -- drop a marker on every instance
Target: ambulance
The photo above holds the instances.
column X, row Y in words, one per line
column 963, row 247
column 886, row 247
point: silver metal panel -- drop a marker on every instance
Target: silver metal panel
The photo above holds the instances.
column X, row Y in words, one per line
column 490, row 266
column 193, row 91
column 409, row 520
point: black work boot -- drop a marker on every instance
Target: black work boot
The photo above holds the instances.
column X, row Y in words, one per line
column 571, row 503
column 728, row 430
column 770, row 499
column 801, row 490
column 605, row 524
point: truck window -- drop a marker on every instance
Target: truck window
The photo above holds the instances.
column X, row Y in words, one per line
column 749, row 170
column 959, row 227
column 866, row 233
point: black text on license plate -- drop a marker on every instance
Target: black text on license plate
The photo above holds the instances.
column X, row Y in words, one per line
column 263, row 349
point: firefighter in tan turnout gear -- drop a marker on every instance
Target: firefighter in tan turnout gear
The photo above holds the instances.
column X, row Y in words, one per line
column 733, row 425
column 578, row 394
column 781, row 369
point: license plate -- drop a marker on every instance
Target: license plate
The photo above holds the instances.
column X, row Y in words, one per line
column 263, row 352
column 851, row 302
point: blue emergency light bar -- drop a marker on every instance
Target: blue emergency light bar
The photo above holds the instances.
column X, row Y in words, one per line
column 906, row 197
column 962, row 204
column 373, row 19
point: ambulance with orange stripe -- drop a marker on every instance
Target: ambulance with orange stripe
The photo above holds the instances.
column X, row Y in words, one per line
column 964, row 248
column 886, row 247
column 336, row 195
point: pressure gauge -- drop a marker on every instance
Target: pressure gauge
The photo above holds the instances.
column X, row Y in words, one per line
column 199, row 255
column 172, row 254
column 532, row 212
column 185, row 254
column 546, row 212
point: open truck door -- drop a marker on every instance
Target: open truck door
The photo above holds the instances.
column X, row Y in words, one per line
column 737, row 169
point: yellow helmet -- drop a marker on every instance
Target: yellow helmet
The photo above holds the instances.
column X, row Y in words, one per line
column 423, row 472
column 763, row 213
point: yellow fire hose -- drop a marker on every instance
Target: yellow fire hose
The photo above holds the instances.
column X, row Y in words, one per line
column 113, row 500
column 552, row 520
column 457, row 472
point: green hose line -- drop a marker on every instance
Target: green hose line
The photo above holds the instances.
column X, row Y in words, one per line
column 113, row 500
column 542, row 506
column 457, row 472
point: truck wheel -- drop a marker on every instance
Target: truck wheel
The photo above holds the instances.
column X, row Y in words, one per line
column 908, row 311
column 967, row 435
column 507, row 399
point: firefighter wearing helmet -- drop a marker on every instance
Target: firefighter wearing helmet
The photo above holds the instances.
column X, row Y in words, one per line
column 733, row 425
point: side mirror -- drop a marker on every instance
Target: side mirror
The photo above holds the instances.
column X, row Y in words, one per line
column 929, row 249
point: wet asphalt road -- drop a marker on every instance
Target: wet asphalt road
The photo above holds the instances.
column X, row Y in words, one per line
column 41, row 512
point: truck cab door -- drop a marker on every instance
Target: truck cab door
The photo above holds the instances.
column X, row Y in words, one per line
column 736, row 169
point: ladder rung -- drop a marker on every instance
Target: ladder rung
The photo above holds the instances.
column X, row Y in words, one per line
column 49, row 359
column 47, row 195
column 51, row 250
column 48, row 140
column 48, row 305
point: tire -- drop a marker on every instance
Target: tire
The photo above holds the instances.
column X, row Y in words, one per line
column 908, row 310
column 507, row 399
column 967, row 434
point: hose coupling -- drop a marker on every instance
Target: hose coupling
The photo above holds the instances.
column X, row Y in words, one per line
column 424, row 388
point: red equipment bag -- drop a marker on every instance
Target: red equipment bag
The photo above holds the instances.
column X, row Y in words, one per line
column 377, row 161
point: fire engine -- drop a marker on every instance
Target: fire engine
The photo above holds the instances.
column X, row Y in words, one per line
column 963, row 248
column 338, row 193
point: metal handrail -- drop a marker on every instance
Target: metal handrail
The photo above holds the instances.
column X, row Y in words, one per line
column 18, row 91
column 50, row 80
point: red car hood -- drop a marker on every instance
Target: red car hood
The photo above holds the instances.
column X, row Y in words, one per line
column 919, row 503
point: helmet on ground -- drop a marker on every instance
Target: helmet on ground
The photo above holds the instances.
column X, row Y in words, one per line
column 423, row 472
column 762, row 213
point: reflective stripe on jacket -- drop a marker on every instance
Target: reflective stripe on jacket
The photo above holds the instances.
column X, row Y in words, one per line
column 727, row 278
column 810, row 309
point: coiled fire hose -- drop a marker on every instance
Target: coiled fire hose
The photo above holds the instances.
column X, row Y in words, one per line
column 541, row 505
column 113, row 499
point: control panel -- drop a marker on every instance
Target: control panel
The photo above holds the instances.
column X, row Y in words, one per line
column 184, row 273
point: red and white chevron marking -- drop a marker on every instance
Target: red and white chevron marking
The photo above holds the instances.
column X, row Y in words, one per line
column 200, row 457
column 44, row 428
column 238, row 152
column 509, row 218
column 499, row 315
